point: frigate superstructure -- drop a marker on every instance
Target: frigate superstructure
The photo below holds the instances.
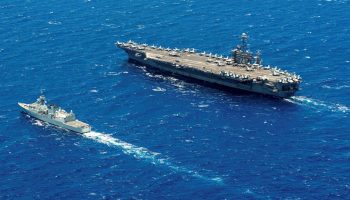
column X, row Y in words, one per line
column 54, row 115
column 242, row 70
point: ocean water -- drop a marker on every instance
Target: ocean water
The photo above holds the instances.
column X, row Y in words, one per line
column 159, row 137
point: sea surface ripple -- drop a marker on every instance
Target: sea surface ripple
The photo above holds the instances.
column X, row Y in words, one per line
column 160, row 137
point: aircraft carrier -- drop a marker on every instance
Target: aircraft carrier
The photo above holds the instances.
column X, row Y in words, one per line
column 242, row 70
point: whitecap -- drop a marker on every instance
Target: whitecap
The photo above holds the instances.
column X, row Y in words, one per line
column 54, row 22
column 112, row 74
column 203, row 106
column 159, row 89
column 248, row 191
column 140, row 26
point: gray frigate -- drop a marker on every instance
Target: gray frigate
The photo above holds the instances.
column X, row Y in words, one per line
column 242, row 70
column 54, row 115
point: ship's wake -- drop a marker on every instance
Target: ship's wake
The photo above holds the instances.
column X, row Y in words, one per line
column 334, row 107
column 142, row 153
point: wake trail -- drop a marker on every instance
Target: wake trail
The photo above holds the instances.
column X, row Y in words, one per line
column 145, row 154
column 302, row 100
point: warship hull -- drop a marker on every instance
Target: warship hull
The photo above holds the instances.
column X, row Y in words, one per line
column 72, row 125
column 201, row 75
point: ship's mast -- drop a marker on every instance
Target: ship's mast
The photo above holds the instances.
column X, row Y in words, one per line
column 41, row 100
column 244, row 42
column 257, row 57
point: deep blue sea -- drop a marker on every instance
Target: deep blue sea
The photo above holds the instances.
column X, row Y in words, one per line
column 160, row 137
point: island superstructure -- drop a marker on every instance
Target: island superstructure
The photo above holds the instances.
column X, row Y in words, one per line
column 242, row 70
column 54, row 115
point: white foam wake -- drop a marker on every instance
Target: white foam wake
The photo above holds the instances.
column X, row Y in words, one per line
column 130, row 149
column 318, row 104
column 145, row 154
column 336, row 87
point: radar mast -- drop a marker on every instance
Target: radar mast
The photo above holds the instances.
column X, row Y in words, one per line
column 244, row 42
column 241, row 53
